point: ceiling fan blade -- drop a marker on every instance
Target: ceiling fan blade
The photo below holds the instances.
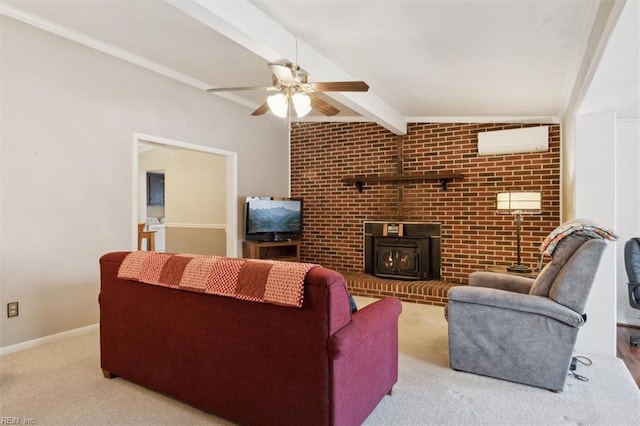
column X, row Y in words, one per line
column 340, row 86
column 237, row 89
column 323, row 107
column 282, row 72
column 261, row 109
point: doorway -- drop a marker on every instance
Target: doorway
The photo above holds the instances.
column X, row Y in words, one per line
column 199, row 211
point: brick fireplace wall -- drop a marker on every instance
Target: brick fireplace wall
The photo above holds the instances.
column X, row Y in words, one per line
column 474, row 236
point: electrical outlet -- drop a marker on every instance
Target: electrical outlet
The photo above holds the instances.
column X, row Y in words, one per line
column 12, row 309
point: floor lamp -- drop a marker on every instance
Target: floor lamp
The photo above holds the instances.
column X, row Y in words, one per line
column 519, row 203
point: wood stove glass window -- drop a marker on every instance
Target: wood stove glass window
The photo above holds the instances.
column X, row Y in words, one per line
column 395, row 259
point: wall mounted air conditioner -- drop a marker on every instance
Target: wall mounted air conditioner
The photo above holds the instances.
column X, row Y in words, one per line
column 528, row 139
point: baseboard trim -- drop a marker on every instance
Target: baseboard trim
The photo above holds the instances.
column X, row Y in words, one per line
column 628, row 325
column 47, row 339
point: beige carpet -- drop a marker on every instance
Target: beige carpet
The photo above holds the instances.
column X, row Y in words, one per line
column 61, row 383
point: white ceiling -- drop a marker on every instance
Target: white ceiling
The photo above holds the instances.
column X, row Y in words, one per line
column 465, row 60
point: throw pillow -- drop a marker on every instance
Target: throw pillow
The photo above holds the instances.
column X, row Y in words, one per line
column 352, row 304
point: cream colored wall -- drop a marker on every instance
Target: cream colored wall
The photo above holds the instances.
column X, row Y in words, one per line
column 195, row 198
column 198, row 240
column 68, row 117
column 195, row 184
column 197, row 190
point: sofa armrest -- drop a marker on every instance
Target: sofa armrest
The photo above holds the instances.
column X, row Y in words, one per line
column 364, row 361
column 515, row 302
column 367, row 325
column 500, row 281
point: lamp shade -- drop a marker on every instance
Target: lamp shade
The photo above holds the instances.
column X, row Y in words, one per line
column 519, row 202
column 278, row 104
column 301, row 103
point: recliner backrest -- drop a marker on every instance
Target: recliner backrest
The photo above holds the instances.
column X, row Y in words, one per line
column 572, row 285
column 561, row 255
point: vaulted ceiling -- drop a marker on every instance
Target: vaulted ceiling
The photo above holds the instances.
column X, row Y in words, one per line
column 466, row 60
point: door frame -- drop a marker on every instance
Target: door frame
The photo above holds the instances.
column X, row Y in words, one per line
column 231, row 226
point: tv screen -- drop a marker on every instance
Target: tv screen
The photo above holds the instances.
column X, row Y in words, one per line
column 273, row 219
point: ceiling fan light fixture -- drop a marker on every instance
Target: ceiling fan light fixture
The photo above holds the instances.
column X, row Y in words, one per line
column 278, row 104
column 293, row 86
column 301, row 103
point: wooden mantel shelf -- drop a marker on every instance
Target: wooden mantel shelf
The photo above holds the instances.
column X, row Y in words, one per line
column 443, row 178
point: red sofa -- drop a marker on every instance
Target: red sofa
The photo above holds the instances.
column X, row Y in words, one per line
column 252, row 363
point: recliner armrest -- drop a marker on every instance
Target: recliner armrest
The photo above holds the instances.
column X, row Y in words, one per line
column 634, row 294
column 500, row 281
column 516, row 302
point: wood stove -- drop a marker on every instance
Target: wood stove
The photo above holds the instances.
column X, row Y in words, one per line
column 395, row 257
column 409, row 251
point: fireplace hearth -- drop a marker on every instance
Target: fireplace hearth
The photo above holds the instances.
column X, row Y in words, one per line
column 402, row 250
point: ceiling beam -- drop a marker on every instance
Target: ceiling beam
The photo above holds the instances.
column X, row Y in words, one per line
column 244, row 23
column 605, row 17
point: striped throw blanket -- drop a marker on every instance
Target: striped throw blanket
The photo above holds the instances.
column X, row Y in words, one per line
column 585, row 227
column 266, row 281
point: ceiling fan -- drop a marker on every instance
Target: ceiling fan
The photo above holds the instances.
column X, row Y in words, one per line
column 291, row 86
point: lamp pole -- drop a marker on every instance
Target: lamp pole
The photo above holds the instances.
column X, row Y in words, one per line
column 518, row 267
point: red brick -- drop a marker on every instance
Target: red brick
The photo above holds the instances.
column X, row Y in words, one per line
column 473, row 235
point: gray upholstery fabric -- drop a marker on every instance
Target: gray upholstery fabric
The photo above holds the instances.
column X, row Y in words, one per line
column 501, row 281
column 483, row 340
column 516, row 302
column 563, row 251
column 497, row 330
column 545, row 278
column 573, row 283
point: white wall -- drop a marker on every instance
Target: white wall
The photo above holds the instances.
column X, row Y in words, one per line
column 595, row 184
column 68, row 117
column 608, row 191
column 606, row 179
column 628, row 208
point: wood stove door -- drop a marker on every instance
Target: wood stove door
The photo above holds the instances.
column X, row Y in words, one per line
column 397, row 260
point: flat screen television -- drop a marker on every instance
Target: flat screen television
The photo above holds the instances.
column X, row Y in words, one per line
column 273, row 219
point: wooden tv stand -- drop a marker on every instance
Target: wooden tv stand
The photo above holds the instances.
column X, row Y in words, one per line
column 273, row 250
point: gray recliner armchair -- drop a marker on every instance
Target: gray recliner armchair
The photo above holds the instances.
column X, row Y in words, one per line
column 520, row 329
column 632, row 265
